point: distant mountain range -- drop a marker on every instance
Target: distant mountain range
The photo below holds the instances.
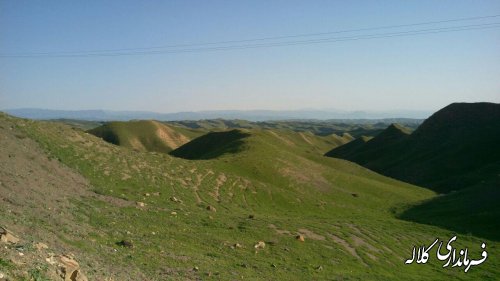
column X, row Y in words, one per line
column 251, row 115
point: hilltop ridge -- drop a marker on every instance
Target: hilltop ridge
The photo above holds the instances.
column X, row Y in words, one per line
column 454, row 152
column 143, row 135
column 443, row 153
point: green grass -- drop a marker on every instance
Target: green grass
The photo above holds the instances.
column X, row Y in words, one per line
column 455, row 152
column 356, row 128
column 143, row 135
column 282, row 179
column 446, row 153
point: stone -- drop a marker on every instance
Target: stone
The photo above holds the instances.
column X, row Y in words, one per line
column 141, row 204
column 300, row 237
column 175, row 199
column 7, row 237
column 41, row 246
column 70, row 269
column 211, row 208
column 50, row 260
column 260, row 245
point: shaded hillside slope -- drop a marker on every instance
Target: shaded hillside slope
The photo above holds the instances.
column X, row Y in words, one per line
column 212, row 145
column 445, row 153
column 455, row 150
column 215, row 144
column 142, row 135
column 364, row 148
column 472, row 210
column 279, row 187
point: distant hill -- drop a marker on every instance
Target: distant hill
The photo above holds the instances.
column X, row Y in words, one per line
column 142, row 135
column 355, row 127
column 252, row 115
column 445, row 153
column 365, row 149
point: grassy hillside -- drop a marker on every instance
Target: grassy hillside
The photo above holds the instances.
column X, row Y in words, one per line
column 445, row 153
column 82, row 124
column 201, row 219
column 143, row 135
column 355, row 128
column 455, row 151
column 366, row 149
column 215, row 144
column 212, row 145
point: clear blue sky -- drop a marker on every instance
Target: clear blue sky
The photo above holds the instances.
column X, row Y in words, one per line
column 423, row 72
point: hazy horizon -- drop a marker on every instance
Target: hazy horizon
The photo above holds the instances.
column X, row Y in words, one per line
column 250, row 115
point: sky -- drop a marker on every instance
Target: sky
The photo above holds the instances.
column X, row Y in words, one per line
column 416, row 72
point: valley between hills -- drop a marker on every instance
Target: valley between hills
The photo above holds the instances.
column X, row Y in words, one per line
column 239, row 200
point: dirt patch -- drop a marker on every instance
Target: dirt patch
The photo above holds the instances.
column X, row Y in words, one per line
column 172, row 138
column 125, row 176
column 305, row 172
column 114, row 201
column 358, row 241
column 136, row 144
column 305, row 138
column 311, row 235
column 279, row 231
column 220, row 181
column 281, row 138
column 351, row 250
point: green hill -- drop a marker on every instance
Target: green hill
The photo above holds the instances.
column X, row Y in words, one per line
column 456, row 152
column 142, row 135
column 445, row 153
column 355, row 128
column 215, row 144
column 212, row 145
column 365, row 148
column 133, row 215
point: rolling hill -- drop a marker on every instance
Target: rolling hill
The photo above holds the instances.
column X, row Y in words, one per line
column 445, row 153
column 142, row 135
column 277, row 208
column 355, row 127
column 455, row 152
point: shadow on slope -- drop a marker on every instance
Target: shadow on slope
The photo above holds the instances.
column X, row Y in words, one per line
column 444, row 154
column 474, row 210
column 455, row 152
column 212, row 145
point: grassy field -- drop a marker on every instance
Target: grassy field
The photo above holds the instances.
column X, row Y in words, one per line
column 200, row 219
